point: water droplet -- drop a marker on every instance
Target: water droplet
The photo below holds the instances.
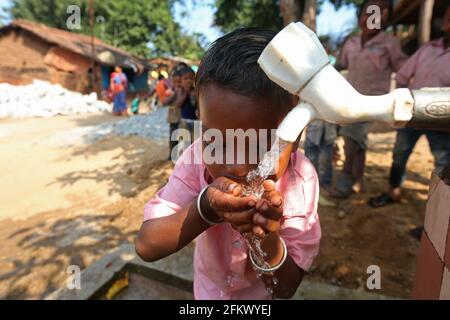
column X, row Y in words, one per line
column 230, row 281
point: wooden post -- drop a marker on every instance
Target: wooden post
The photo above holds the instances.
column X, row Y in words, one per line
column 426, row 13
column 290, row 10
column 309, row 14
column 91, row 25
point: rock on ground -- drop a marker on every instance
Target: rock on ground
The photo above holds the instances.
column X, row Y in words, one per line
column 43, row 99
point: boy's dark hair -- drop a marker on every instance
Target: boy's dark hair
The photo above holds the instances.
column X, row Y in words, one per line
column 231, row 63
column 385, row 3
column 175, row 73
column 184, row 70
column 181, row 65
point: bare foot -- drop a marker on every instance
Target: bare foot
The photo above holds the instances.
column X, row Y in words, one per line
column 358, row 187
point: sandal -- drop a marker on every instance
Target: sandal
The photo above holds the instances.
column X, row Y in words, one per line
column 416, row 233
column 340, row 194
column 381, row 201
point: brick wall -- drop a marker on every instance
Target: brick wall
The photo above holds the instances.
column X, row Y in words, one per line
column 22, row 61
column 432, row 277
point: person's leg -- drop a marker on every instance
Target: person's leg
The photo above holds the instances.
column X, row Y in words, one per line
column 116, row 104
column 327, row 165
column 123, row 103
column 440, row 148
column 344, row 183
column 350, row 149
column 404, row 144
column 172, row 143
column 312, row 153
column 359, row 162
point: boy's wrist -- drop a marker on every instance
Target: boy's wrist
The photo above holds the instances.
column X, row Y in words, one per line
column 205, row 210
column 273, row 246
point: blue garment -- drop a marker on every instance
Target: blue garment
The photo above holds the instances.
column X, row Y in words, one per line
column 321, row 156
column 320, row 137
column 188, row 108
column 404, row 144
column 120, row 103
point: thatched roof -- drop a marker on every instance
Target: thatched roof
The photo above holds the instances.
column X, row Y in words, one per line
column 105, row 54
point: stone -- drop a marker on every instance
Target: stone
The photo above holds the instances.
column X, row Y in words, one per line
column 43, row 99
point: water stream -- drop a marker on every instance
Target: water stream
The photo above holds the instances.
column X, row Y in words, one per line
column 255, row 178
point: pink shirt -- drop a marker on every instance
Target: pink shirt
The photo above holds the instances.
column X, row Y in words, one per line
column 221, row 267
column 370, row 66
column 428, row 67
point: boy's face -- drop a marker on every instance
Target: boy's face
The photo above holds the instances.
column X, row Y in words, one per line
column 222, row 109
column 187, row 80
column 176, row 81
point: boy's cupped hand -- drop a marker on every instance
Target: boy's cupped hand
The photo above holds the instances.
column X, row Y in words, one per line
column 269, row 210
column 225, row 200
column 246, row 214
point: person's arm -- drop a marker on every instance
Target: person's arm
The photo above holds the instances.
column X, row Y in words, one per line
column 111, row 83
column 342, row 61
column 125, row 81
column 181, row 96
column 396, row 55
column 289, row 275
column 165, row 235
column 267, row 221
column 407, row 71
column 169, row 99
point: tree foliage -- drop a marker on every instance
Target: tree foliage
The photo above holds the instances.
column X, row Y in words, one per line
column 141, row 27
column 339, row 3
column 231, row 14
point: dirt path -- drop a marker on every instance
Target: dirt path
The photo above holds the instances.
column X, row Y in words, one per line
column 64, row 206
column 356, row 236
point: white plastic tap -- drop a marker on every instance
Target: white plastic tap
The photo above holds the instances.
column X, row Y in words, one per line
column 296, row 60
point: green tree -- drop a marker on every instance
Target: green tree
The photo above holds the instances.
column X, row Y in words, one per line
column 231, row 14
column 141, row 27
column 339, row 3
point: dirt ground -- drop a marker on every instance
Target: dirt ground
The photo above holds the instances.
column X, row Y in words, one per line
column 69, row 205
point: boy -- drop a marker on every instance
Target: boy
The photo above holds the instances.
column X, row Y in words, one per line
column 204, row 200
column 174, row 100
column 370, row 59
column 428, row 67
column 188, row 105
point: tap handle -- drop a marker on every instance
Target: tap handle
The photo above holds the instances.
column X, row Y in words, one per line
column 431, row 109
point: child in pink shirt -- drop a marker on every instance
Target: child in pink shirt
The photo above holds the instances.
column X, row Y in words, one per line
column 205, row 200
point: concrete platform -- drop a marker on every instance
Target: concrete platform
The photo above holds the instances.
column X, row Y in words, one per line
column 171, row 278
